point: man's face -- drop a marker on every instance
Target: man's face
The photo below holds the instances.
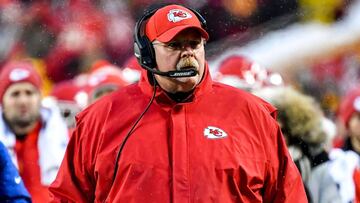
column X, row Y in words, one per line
column 185, row 50
column 21, row 104
column 354, row 125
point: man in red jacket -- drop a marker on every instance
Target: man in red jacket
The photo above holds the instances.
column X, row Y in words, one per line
column 177, row 136
column 31, row 128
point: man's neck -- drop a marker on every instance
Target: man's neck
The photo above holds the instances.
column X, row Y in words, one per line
column 180, row 96
column 355, row 142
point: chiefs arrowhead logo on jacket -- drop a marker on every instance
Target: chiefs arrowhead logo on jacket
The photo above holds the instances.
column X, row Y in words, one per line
column 212, row 132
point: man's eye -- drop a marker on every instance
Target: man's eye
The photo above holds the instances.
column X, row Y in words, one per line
column 15, row 94
column 174, row 45
column 194, row 44
column 29, row 93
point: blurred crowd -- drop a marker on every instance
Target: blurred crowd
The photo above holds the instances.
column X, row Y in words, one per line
column 82, row 50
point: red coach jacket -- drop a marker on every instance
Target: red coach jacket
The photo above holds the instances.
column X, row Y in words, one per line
column 221, row 146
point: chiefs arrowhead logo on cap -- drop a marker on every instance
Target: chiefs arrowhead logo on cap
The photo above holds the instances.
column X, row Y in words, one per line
column 18, row 74
column 176, row 15
column 212, row 132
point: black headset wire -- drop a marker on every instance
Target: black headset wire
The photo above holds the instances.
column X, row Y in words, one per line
column 132, row 129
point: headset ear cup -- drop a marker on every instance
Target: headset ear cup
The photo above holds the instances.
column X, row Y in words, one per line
column 151, row 52
column 144, row 52
column 143, row 48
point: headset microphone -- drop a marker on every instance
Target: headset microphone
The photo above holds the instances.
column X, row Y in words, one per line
column 174, row 74
column 148, row 62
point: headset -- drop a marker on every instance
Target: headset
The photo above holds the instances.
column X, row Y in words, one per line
column 144, row 50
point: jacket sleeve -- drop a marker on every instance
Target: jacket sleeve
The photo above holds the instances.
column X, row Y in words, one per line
column 73, row 182
column 12, row 187
column 283, row 182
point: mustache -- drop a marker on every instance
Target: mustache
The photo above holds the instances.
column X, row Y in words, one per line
column 187, row 62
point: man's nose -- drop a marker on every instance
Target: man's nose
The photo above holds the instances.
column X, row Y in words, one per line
column 187, row 51
column 23, row 98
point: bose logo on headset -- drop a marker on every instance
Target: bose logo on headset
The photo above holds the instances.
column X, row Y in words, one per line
column 143, row 48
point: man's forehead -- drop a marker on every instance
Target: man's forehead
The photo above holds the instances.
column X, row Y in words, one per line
column 21, row 86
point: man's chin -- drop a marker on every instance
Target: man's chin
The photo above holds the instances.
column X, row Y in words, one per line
column 23, row 124
column 188, row 81
column 24, row 121
column 186, row 85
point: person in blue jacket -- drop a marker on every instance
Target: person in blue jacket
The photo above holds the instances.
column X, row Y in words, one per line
column 12, row 188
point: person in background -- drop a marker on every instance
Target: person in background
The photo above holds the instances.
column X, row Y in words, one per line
column 103, row 79
column 71, row 98
column 345, row 161
column 176, row 135
column 240, row 72
column 12, row 187
column 31, row 128
column 303, row 125
column 76, row 94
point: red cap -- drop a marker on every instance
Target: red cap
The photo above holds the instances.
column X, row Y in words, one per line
column 349, row 105
column 65, row 90
column 235, row 65
column 16, row 72
column 240, row 72
column 104, row 75
column 168, row 21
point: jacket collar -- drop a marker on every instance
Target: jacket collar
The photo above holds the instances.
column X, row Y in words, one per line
column 162, row 98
